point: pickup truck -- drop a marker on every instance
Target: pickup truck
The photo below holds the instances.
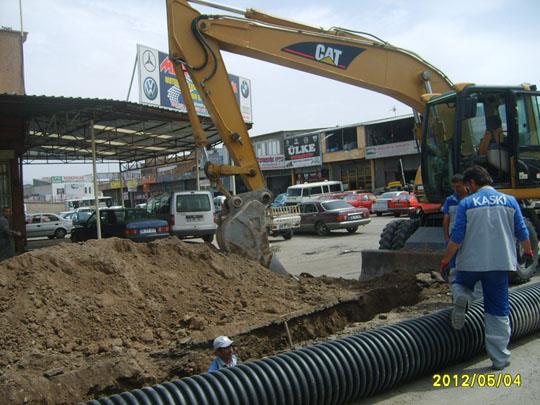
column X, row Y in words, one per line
column 283, row 220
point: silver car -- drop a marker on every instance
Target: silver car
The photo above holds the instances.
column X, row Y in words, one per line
column 46, row 224
column 381, row 205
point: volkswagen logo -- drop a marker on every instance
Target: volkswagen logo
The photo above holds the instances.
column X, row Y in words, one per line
column 149, row 61
column 244, row 89
column 150, row 88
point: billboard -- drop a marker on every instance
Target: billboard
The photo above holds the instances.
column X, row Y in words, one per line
column 303, row 150
column 158, row 85
column 392, row 149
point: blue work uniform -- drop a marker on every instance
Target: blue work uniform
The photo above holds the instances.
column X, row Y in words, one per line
column 218, row 363
column 487, row 225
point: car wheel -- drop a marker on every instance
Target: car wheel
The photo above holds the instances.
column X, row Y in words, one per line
column 60, row 233
column 208, row 238
column 51, row 236
column 322, row 229
column 352, row 229
column 379, row 214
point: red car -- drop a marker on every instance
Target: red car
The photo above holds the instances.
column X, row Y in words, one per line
column 360, row 200
column 407, row 203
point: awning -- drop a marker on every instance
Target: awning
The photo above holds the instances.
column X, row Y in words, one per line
column 58, row 129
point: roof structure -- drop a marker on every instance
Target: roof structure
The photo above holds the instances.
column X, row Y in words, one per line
column 58, row 129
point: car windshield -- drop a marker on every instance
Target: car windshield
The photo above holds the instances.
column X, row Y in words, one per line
column 391, row 194
column 350, row 197
column 280, row 198
column 294, row 192
column 335, row 205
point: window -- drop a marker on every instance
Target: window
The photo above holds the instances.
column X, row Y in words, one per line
column 334, row 188
column 308, row 208
column 341, row 140
column 267, row 148
column 484, row 137
column 294, row 192
column 60, row 191
column 192, row 203
column 51, row 217
column 36, row 219
column 335, row 205
column 390, row 132
column 315, row 190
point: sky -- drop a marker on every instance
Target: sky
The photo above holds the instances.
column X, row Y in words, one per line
column 86, row 48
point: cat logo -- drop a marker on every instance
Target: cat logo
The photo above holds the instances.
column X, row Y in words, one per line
column 327, row 54
column 336, row 55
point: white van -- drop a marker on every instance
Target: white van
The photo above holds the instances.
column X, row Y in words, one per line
column 190, row 213
column 308, row 191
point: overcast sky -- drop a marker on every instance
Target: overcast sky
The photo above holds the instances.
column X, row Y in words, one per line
column 86, row 48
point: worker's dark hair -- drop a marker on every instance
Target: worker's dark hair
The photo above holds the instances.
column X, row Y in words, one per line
column 493, row 122
column 457, row 178
column 478, row 174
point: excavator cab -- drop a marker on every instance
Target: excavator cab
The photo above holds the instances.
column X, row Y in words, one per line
column 494, row 127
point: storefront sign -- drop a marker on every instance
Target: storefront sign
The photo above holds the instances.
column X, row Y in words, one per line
column 392, row 149
column 272, row 162
column 158, row 85
column 303, row 151
column 115, row 184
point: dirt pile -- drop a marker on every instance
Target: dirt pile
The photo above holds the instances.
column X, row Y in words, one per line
column 117, row 293
column 81, row 321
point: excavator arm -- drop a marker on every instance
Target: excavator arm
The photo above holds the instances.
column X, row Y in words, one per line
column 195, row 45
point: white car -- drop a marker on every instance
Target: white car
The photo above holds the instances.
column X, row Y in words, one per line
column 381, row 205
column 45, row 224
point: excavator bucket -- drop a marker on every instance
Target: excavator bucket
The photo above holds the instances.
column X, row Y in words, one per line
column 243, row 229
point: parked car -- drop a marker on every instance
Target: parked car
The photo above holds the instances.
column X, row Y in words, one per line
column 408, row 204
column 325, row 216
column 279, row 201
column 360, row 200
column 129, row 223
column 46, row 224
column 381, row 205
column 189, row 213
column 68, row 215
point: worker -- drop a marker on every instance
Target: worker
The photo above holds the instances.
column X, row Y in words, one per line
column 451, row 203
column 494, row 135
column 224, row 352
column 449, row 215
column 6, row 235
column 487, row 224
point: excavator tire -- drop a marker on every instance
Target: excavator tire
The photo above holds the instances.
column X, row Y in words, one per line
column 387, row 235
column 524, row 273
column 403, row 232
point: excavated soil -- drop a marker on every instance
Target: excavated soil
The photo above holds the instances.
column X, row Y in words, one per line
column 78, row 321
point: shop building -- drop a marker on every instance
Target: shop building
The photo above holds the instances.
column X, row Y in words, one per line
column 392, row 150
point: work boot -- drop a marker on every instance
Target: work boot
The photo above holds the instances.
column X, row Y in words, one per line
column 460, row 309
column 498, row 367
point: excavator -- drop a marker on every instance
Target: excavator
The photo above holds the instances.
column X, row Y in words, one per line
column 452, row 119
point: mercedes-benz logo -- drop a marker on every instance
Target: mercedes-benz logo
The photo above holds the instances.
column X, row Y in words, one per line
column 149, row 61
column 150, row 88
column 244, row 89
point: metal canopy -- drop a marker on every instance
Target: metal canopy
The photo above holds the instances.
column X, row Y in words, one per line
column 58, row 130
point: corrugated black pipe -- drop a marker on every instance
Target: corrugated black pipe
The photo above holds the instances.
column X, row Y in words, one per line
column 346, row 369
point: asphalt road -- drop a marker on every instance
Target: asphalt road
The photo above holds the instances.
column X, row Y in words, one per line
column 336, row 255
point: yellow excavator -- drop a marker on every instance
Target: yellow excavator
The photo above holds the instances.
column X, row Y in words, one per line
column 453, row 120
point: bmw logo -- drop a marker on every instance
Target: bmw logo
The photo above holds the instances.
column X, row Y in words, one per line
column 150, row 88
column 244, row 89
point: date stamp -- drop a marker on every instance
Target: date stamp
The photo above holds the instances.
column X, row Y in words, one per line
column 492, row 380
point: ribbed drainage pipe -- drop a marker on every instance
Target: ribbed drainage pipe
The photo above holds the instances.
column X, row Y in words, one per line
column 346, row 369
